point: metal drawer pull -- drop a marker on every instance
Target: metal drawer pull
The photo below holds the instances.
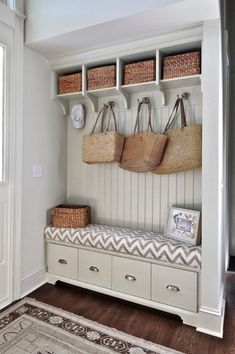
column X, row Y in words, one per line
column 94, row 269
column 130, row 277
column 173, row 288
column 62, row 261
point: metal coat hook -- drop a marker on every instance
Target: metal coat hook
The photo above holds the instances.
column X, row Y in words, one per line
column 144, row 100
column 184, row 96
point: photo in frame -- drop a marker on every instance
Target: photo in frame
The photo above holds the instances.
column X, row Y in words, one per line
column 183, row 225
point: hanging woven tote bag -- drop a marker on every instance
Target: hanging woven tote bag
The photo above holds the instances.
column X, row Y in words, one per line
column 184, row 146
column 143, row 151
column 105, row 146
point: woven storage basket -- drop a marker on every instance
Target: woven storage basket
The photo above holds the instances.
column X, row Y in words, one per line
column 71, row 216
column 141, row 71
column 182, row 65
column 70, row 83
column 101, row 77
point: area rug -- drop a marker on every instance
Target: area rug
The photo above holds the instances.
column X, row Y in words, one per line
column 33, row 327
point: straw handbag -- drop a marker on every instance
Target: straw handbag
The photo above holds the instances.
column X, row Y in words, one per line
column 105, row 146
column 143, row 151
column 184, row 147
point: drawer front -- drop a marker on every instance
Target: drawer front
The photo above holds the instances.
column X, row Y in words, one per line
column 62, row 260
column 95, row 268
column 174, row 287
column 131, row 277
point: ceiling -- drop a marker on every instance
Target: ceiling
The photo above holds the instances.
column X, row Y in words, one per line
column 57, row 27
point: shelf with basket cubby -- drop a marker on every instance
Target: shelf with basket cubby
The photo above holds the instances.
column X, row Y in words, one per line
column 178, row 82
column 126, row 90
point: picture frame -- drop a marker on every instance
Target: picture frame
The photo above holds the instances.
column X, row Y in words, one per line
column 183, row 225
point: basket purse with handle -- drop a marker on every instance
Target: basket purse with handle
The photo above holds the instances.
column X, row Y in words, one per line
column 184, row 146
column 143, row 151
column 105, row 146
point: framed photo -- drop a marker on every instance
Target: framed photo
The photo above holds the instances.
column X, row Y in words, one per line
column 183, row 225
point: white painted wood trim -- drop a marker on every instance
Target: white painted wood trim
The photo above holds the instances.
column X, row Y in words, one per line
column 7, row 16
column 185, row 35
column 33, row 281
column 129, row 256
column 212, row 267
column 191, row 318
column 212, row 324
column 18, row 154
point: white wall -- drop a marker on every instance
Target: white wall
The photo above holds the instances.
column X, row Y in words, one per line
column 57, row 27
column 44, row 143
column 49, row 18
column 123, row 198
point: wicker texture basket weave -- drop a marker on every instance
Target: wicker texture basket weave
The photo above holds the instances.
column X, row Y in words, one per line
column 70, row 83
column 101, row 77
column 142, row 71
column 106, row 146
column 186, row 64
column 184, row 147
column 71, row 216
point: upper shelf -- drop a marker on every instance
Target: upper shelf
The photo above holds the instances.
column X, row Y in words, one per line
column 184, row 81
column 125, row 91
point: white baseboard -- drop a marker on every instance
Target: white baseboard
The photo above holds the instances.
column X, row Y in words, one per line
column 33, row 281
column 212, row 324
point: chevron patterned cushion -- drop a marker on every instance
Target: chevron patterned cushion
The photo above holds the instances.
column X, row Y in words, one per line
column 134, row 242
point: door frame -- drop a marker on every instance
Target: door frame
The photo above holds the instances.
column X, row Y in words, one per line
column 14, row 21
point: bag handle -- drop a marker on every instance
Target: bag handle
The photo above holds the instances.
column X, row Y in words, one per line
column 110, row 112
column 145, row 100
column 107, row 108
column 179, row 104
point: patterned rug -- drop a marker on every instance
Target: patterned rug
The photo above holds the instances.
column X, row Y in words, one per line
column 33, row 327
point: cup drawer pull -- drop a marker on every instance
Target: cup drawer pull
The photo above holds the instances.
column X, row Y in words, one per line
column 173, row 288
column 62, row 261
column 94, row 269
column 130, row 277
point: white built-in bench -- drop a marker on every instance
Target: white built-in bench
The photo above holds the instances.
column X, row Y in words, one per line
column 143, row 267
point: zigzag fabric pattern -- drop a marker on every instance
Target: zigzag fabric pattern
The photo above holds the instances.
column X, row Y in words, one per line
column 134, row 242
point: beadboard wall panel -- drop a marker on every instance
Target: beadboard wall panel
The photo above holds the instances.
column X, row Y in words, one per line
column 123, row 198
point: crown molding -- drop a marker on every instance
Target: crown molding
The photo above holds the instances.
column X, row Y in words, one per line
column 184, row 35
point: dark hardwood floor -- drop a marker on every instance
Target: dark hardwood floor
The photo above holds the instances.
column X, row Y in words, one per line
column 141, row 321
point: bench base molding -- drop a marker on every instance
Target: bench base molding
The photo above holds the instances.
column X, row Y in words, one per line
column 203, row 322
column 189, row 318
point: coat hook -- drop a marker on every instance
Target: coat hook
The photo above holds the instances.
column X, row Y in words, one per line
column 185, row 95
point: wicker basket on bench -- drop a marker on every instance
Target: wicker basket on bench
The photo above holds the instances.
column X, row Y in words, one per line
column 71, row 216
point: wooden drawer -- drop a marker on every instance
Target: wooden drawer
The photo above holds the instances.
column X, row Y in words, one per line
column 131, row 277
column 174, row 287
column 95, row 268
column 62, row 260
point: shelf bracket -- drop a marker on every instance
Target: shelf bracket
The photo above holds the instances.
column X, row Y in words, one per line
column 63, row 103
column 93, row 101
column 163, row 98
column 126, row 97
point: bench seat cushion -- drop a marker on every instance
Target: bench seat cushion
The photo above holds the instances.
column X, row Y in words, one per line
column 128, row 241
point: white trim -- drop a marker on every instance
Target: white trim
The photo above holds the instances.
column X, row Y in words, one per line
column 212, row 324
column 188, row 317
column 17, row 136
column 5, row 302
column 33, row 289
column 33, row 281
column 20, row 15
column 185, row 35
column 215, row 312
column 7, row 16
